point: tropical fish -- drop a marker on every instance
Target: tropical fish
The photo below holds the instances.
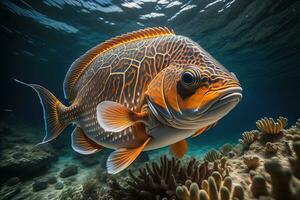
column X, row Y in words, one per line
column 140, row 91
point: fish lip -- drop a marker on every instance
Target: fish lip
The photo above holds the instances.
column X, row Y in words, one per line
column 229, row 94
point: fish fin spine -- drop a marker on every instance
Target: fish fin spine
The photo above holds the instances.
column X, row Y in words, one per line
column 115, row 117
column 54, row 112
column 123, row 157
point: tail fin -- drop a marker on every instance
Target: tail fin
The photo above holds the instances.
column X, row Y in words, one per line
column 53, row 110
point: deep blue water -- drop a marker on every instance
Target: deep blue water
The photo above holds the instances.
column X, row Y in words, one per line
column 257, row 40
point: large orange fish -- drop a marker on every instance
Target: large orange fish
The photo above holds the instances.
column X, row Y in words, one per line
column 140, row 91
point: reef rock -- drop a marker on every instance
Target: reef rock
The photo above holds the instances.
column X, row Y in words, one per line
column 68, row 171
column 25, row 160
column 59, row 185
column 39, row 185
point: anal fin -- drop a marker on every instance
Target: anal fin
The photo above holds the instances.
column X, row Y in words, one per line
column 82, row 144
column 123, row 157
column 179, row 148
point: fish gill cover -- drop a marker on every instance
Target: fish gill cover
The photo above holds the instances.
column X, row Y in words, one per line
column 257, row 40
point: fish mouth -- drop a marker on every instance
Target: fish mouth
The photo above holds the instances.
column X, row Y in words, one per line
column 223, row 104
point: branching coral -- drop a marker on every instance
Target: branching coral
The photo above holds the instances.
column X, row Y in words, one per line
column 215, row 188
column 212, row 155
column 252, row 162
column 284, row 185
column 163, row 178
column 158, row 180
column 221, row 167
column 248, row 138
column 269, row 126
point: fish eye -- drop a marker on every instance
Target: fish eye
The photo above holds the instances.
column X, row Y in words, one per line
column 190, row 77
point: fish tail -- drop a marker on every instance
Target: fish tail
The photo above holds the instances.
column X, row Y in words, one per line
column 54, row 112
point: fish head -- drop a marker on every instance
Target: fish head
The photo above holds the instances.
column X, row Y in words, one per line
column 192, row 96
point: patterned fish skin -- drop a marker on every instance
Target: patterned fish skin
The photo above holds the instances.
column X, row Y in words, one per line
column 139, row 91
column 123, row 75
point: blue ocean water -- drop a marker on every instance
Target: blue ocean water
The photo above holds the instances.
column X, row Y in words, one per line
column 257, row 40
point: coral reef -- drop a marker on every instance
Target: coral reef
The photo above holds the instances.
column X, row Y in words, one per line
column 248, row 138
column 212, row 155
column 158, row 181
column 20, row 156
column 243, row 171
column 247, row 174
column 71, row 193
column 252, row 162
column 25, row 160
column 269, row 126
column 259, row 186
column 284, row 186
column 295, row 160
column 162, row 179
column 293, row 133
column 271, row 148
column 225, row 149
column 214, row 188
column 90, row 190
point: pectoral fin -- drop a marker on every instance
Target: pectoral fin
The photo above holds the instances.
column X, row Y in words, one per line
column 115, row 117
column 179, row 148
column 82, row 144
column 122, row 158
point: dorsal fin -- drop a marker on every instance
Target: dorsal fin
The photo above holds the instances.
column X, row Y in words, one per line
column 78, row 66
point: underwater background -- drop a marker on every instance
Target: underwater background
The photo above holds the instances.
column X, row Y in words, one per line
column 257, row 40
